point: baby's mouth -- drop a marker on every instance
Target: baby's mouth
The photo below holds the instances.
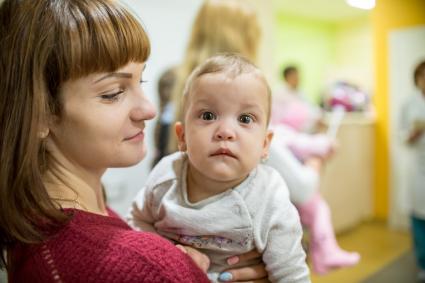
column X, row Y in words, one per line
column 223, row 151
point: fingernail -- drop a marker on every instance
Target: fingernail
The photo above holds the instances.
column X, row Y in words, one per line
column 225, row 276
column 232, row 260
column 181, row 248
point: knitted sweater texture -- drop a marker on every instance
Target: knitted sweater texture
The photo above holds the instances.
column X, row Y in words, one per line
column 95, row 248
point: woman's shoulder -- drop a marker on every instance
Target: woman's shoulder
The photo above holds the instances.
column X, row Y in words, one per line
column 95, row 248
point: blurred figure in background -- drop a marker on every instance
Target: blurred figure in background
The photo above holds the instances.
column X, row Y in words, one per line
column 292, row 107
column 299, row 120
column 165, row 113
column 232, row 26
column 412, row 128
column 296, row 123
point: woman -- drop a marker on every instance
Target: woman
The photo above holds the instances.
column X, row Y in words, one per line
column 71, row 106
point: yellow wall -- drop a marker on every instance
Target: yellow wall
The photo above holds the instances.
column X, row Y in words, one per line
column 387, row 16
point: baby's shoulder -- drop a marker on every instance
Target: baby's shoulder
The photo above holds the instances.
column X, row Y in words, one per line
column 168, row 169
column 268, row 182
column 269, row 175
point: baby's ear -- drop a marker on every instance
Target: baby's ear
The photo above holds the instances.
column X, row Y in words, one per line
column 179, row 128
column 266, row 145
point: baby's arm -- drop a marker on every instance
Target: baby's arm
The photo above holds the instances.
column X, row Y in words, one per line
column 140, row 215
column 280, row 233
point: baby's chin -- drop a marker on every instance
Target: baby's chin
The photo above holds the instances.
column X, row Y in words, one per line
column 231, row 180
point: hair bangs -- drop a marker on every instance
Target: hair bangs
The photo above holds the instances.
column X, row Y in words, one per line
column 101, row 38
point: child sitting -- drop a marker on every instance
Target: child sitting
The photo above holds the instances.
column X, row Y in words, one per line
column 215, row 195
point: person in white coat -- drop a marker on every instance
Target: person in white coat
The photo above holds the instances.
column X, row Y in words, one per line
column 412, row 129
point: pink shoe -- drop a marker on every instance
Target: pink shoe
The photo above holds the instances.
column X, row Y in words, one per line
column 324, row 250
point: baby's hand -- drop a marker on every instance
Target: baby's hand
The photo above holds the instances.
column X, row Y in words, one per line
column 200, row 259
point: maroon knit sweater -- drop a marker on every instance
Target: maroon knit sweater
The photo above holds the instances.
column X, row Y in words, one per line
column 95, row 248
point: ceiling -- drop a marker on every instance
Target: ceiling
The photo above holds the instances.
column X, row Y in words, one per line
column 327, row 10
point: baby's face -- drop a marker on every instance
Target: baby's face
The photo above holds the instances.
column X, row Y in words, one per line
column 225, row 131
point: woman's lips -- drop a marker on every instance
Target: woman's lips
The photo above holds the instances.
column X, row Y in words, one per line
column 136, row 138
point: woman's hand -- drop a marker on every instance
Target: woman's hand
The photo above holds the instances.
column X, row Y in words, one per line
column 200, row 259
column 255, row 273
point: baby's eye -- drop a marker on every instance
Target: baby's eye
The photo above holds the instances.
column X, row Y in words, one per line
column 245, row 119
column 208, row 116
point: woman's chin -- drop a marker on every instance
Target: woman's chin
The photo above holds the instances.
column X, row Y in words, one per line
column 131, row 160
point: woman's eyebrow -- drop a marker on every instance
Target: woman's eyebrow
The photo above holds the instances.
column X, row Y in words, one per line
column 115, row 74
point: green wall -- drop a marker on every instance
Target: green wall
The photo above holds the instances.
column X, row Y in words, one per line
column 308, row 44
column 324, row 51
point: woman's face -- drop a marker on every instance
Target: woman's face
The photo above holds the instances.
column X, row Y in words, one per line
column 102, row 120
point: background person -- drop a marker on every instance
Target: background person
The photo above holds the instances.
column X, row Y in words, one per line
column 412, row 128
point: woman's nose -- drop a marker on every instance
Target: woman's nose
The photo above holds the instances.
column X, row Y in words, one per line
column 142, row 109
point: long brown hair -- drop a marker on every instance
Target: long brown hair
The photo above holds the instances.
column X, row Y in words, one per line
column 221, row 26
column 45, row 43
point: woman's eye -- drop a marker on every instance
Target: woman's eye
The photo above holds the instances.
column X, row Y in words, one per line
column 112, row 96
column 208, row 116
column 245, row 119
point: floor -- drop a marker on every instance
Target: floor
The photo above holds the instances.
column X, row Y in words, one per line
column 403, row 269
column 378, row 247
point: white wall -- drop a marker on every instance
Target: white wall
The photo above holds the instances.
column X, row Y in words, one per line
column 168, row 24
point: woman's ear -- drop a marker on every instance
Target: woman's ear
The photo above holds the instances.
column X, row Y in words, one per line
column 43, row 133
column 44, row 128
column 179, row 128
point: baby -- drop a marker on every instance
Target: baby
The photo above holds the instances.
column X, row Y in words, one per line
column 214, row 194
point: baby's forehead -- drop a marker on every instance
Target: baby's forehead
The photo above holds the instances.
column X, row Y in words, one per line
column 228, row 78
column 252, row 85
